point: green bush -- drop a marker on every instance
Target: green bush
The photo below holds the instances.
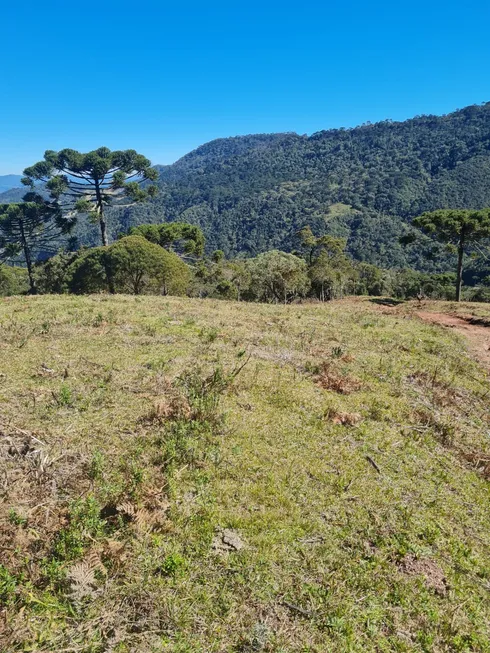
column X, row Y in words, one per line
column 54, row 275
column 8, row 584
column 277, row 277
column 13, row 281
column 407, row 284
column 84, row 526
column 181, row 237
column 139, row 266
column 87, row 274
column 479, row 294
column 134, row 266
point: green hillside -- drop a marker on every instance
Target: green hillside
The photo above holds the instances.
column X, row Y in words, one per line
column 202, row 476
column 252, row 193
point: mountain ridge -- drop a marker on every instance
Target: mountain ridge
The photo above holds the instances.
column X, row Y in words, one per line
column 251, row 193
column 8, row 182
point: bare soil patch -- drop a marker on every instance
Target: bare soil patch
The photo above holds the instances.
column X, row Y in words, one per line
column 477, row 332
column 429, row 570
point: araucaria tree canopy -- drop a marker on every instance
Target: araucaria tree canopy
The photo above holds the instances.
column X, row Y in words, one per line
column 88, row 183
column 458, row 228
column 29, row 228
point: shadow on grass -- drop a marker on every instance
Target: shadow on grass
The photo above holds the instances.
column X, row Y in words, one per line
column 387, row 301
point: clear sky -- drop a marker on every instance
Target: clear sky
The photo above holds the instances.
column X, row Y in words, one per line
column 164, row 77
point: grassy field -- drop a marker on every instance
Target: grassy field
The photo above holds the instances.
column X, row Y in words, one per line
column 203, row 476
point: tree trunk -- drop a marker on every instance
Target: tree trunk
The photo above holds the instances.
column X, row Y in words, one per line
column 109, row 275
column 27, row 256
column 137, row 283
column 100, row 211
column 103, row 229
column 459, row 277
column 103, row 233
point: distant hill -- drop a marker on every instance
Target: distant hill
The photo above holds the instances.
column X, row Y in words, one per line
column 7, row 182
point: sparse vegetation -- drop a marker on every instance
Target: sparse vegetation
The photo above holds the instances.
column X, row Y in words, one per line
column 193, row 475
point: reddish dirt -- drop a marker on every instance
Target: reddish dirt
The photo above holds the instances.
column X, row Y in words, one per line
column 428, row 569
column 477, row 335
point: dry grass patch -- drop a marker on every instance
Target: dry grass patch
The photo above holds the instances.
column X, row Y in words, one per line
column 431, row 573
column 330, row 378
column 345, row 419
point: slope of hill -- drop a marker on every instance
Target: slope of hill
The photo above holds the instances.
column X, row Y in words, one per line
column 252, row 193
column 163, row 491
column 7, row 182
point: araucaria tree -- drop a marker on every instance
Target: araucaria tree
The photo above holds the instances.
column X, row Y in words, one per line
column 29, row 228
column 458, row 228
column 89, row 183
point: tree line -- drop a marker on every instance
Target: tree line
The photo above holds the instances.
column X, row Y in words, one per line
column 169, row 258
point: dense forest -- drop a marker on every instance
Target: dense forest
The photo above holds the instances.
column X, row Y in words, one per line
column 250, row 194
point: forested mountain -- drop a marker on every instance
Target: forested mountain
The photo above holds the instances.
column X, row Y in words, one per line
column 252, row 193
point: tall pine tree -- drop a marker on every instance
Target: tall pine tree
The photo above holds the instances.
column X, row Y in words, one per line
column 89, row 183
column 29, row 228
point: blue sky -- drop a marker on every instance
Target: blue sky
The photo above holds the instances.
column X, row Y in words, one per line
column 165, row 77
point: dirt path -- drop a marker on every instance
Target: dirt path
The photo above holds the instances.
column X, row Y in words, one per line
column 477, row 335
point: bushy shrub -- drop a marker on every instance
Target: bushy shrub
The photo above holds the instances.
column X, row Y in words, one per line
column 88, row 273
column 13, row 281
column 131, row 265
column 277, row 277
column 371, row 280
column 54, row 275
column 480, row 294
column 181, row 237
column 139, row 266
column 408, row 284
